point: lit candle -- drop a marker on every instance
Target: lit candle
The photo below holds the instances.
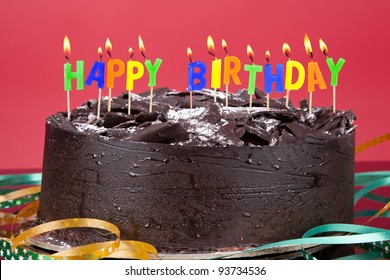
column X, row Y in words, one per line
column 132, row 76
column 314, row 75
column 195, row 76
column 334, row 70
column 290, row 65
column 230, row 71
column 97, row 74
column 270, row 78
column 252, row 69
column 69, row 75
column 215, row 67
column 111, row 72
column 152, row 70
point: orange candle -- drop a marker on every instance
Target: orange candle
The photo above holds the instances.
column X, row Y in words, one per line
column 232, row 65
column 111, row 72
column 314, row 75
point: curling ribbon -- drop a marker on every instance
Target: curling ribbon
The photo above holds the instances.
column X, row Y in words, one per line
column 372, row 142
column 18, row 247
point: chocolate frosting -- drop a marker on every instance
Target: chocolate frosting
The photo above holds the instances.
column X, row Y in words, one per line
column 201, row 179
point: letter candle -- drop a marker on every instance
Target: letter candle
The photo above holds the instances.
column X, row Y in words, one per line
column 111, row 72
column 334, row 69
column 152, row 70
column 69, row 75
column 290, row 65
column 131, row 76
column 229, row 72
column 192, row 75
column 270, row 78
column 314, row 75
column 253, row 69
column 215, row 67
column 97, row 68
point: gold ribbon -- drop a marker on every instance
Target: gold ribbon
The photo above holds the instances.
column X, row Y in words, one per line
column 112, row 249
column 372, row 142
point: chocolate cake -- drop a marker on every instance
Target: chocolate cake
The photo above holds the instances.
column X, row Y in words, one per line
column 203, row 179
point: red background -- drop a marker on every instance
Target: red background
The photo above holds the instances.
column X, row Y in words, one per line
column 32, row 57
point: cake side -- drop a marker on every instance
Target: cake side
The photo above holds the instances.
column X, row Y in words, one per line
column 187, row 197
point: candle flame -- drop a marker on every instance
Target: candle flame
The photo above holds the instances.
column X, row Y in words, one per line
column 210, row 45
column 108, row 47
column 189, row 53
column 308, row 48
column 141, row 46
column 66, row 47
column 267, row 55
column 323, row 47
column 224, row 46
column 131, row 53
column 250, row 52
column 100, row 53
column 286, row 50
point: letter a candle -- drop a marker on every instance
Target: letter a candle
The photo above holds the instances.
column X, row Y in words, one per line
column 97, row 68
column 69, row 75
column 334, row 69
column 314, row 75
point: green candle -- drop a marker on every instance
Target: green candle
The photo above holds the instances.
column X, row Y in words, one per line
column 152, row 70
column 78, row 75
column 252, row 69
column 335, row 69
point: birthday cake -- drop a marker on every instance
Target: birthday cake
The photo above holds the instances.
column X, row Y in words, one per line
column 202, row 179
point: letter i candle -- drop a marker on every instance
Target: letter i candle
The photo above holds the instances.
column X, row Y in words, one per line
column 334, row 69
column 215, row 67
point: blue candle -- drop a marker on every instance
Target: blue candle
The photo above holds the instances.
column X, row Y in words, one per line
column 97, row 75
column 196, row 79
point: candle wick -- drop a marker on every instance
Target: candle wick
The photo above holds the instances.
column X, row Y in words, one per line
column 287, row 55
column 101, row 57
column 109, row 53
column 211, row 54
column 143, row 55
column 267, row 59
column 131, row 56
column 225, row 48
column 311, row 55
column 190, row 59
column 67, row 58
column 252, row 59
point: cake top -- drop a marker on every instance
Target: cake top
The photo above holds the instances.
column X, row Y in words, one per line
column 208, row 123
